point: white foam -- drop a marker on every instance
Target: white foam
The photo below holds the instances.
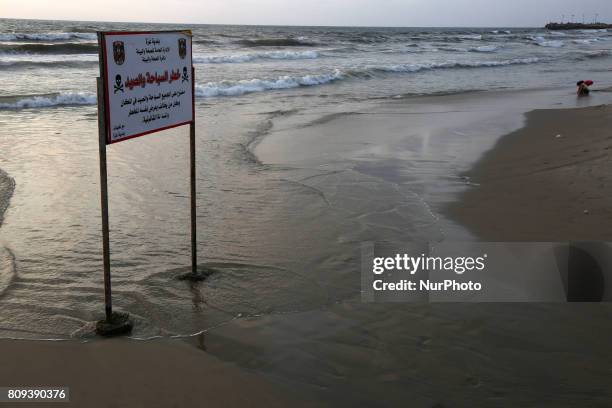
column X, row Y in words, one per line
column 46, row 36
column 16, row 59
column 485, row 48
column 551, row 44
column 471, row 37
column 61, row 99
column 543, row 42
column 586, row 41
column 240, row 58
column 455, row 64
column 235, row 88
column 603, row 30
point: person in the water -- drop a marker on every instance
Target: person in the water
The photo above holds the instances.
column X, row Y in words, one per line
column 583, row 88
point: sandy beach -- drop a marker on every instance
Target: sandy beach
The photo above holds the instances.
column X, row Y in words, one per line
column 549, row 181
column 130, row 373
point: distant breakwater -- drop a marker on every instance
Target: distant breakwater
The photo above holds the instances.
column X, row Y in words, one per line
column 577, row 26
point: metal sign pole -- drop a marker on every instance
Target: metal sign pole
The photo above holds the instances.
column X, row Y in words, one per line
column 194, row 275
column 104, row 201
column 194, row 254
column 192, row 154
column 115, row 323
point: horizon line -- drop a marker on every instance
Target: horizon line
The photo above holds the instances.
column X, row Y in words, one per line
column 264, row 25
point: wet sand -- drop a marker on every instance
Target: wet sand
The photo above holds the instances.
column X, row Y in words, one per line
column 128, row 373
column 296, row 316
column 549, row 181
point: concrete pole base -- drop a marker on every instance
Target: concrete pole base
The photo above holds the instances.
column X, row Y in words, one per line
column 118, row 325
column 200, row 275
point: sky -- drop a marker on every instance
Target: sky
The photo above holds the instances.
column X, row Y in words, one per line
column 397, row 13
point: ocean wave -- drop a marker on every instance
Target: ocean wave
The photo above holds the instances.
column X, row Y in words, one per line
column 242, row 87
column 470, row 37
column 239, row 58
column 276, row 42
column 12, row 65
column 236, row 88
column 593, row 54
column 48, row 100
column 202, row 41
column 484, row 48
column 407, row 68
column 55, row 36
column 368, row 39
column 450, row 38
column 551, row 44
column 586, row 41
column 410, row 50
column 83, row 29
column 62, row 48
column 543, row 42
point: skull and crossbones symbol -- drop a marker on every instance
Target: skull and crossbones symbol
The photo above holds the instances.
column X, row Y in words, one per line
column 185, row 76
column 118, row 84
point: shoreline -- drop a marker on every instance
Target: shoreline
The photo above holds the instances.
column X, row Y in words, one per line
column 419, row 147
column 7, row 259
column 559, row 189
column 7, row 189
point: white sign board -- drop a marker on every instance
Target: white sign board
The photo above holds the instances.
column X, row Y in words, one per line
column 148, row 82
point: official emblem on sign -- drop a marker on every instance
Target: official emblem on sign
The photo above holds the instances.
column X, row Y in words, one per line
column 182, row 48
column 119, row 52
